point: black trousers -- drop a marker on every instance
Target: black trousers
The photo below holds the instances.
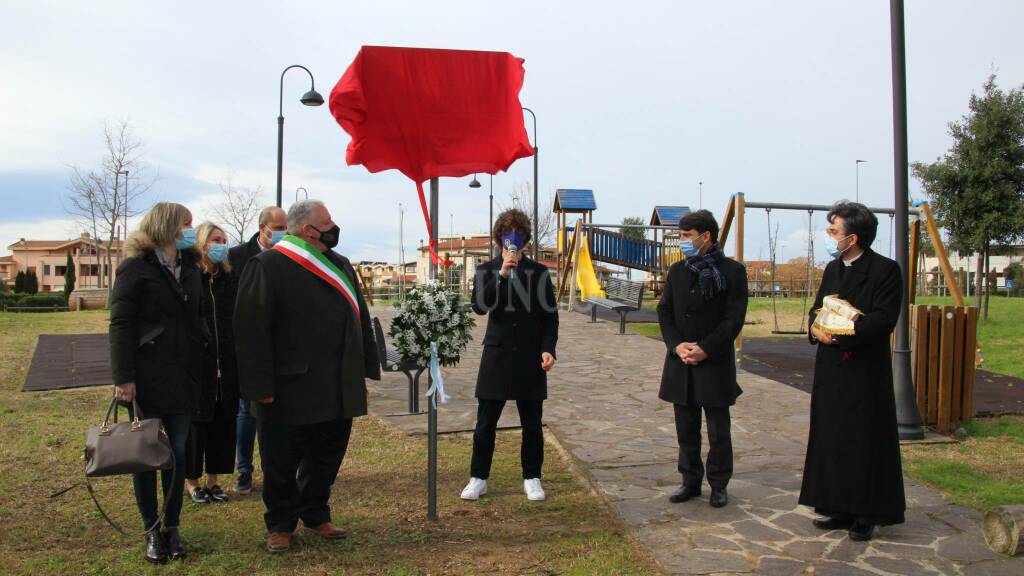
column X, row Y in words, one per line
column 211, row 446
column 300, row 463
column 719, row 465
column 531, row 453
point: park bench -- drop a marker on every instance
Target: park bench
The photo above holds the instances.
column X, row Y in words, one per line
column 391, row 361
column 622, row 296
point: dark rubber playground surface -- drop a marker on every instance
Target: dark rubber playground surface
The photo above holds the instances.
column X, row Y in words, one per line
column 791, row 361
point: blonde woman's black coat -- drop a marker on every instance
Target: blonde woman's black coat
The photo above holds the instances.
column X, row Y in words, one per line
column 157, row 336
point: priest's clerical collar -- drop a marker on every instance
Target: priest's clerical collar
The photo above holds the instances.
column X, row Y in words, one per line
column 854, row 259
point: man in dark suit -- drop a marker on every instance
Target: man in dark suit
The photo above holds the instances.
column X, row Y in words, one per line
column 273, row 226
column 701, row 313
column 305, row 348
column 853, row 475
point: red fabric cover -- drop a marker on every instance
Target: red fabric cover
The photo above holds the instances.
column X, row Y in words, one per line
column 430, row 113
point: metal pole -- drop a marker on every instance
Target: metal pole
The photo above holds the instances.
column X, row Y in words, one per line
column 280, row 155
column 431, row 410
column 536, row 239
column 700, row 195
column 908, row 418
column 490, row 226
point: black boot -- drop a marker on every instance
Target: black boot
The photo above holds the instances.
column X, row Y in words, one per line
column 175, row 545
column 684, row 493
column 861, row 532
column 833, row 523
column 156, row 548
column 719, row 497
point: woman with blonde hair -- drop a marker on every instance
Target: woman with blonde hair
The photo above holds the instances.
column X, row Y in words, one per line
column 156, row 347
column 211, row 443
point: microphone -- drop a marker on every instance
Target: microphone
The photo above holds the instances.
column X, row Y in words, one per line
column 513, row 249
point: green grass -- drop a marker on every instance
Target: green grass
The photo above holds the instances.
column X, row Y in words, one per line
column 380, row 496
column 983, row 471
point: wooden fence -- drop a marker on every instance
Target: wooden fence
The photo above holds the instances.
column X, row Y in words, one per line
column 943, row 344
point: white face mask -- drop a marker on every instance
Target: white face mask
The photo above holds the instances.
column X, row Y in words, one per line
column 832, row 246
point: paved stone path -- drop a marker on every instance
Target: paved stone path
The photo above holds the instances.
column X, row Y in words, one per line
column 603, row 409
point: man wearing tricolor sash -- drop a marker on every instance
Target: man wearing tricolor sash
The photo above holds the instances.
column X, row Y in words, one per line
column 305, row 348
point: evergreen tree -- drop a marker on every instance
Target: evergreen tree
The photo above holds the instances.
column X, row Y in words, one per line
column 69, row 278
column 977, row 188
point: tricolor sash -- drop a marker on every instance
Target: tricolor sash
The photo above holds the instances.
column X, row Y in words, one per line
column 319, row 265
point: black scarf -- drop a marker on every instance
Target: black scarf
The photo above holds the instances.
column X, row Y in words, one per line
column 705, row 267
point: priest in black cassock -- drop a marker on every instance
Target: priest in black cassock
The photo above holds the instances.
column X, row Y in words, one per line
column 853, row 475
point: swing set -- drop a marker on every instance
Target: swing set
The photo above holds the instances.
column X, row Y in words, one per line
column 809, row 280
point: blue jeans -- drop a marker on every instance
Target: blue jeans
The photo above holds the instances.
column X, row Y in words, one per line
column 245, row 429
column 176, row 426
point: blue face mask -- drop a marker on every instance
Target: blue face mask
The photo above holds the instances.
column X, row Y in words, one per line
column 276, row 236
column 832, row 246
column 187, row 240
column 688, row 249
column 217, row 252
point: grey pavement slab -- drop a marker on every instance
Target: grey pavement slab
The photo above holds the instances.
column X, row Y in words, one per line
column 604, row 412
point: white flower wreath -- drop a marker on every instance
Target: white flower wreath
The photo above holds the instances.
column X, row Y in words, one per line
column 436, row 313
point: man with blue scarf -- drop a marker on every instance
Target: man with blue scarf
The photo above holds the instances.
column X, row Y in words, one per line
column 701, row 313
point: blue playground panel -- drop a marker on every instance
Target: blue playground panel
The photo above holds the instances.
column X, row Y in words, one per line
column 574, row 199
column 668, row 215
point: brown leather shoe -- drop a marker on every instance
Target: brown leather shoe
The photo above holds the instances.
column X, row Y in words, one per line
column 329, row 531
column 278, row 542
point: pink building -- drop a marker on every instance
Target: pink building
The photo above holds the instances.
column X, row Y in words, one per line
column 48, row 258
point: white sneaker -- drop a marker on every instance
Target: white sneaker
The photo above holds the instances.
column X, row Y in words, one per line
column 533, row 489
column 475, row 489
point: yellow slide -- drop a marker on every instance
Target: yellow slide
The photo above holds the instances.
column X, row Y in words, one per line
column 586, row 279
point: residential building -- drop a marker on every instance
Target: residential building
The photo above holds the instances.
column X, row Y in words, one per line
column 48, row 259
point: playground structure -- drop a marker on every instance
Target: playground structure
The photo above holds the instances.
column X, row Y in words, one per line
column 583, row 243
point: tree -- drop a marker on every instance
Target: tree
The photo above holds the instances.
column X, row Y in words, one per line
column 102, row 198
column 521, row 198
column 19, row 282
column 239, row 209
column 3, row 286
column 633, row 233
column 31, row 282
column 69, row 278
column 977, row 188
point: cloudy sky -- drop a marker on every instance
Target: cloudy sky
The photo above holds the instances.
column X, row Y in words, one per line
column 637, row 101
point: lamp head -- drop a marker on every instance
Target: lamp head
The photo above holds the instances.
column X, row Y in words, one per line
column 475, row 183
column 312, row 98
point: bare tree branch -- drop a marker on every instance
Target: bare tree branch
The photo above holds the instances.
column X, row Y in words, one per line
column 239, row 209
column 521, row 198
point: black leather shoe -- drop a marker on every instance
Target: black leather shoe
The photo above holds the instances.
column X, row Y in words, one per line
column 175, row 545
column 683, row 494
column 861, row 532
column 156, row 548
column 829, row 523
column 719, row 498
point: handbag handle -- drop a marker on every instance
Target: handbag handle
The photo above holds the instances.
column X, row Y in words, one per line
column 114, row 404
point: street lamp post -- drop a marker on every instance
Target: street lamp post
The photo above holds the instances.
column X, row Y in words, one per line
column 700, row 194
column 908, row 417
column 536, row 239
column 858, row 163
column 311, row 98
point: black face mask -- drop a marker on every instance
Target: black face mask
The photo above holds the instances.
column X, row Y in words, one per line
column 329, row 237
